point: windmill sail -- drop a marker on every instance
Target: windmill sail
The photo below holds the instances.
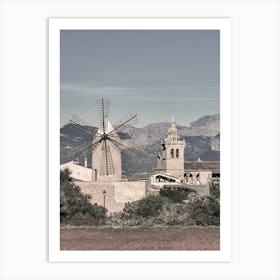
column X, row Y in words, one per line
column 80, row 124
column 103, row 113
column 106, row 145
column 128, row 120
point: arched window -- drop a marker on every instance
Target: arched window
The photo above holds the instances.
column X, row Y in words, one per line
column 172, row 153
column 188, row 178
column 177, row 153
column 198, row 178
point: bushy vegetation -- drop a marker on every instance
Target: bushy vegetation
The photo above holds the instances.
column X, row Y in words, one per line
column 146, row 207
column 175, row 194
column 215, row 190
column 172, row 207
column 75, row 207
column 204, row 210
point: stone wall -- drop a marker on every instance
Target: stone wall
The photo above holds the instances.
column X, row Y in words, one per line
column 117, row 193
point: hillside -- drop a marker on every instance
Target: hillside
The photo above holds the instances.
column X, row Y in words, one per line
column 202, row 138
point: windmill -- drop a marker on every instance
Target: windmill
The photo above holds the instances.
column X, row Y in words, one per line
column 106, row 145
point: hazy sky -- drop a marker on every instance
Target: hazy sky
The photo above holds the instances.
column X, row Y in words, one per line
column 156, row 74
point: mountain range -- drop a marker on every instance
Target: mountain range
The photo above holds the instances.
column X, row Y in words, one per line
column 202, row 141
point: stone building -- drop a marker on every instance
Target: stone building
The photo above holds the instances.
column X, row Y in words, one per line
column 109, row 189
column 172, row 170
column 78, row 172
column 201, row 172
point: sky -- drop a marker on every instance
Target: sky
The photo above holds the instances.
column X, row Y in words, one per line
column 155, row 74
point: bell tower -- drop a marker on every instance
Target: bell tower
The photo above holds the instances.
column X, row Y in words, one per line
column 174, row 147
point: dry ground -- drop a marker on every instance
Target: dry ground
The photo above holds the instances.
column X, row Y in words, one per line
column 140, row 239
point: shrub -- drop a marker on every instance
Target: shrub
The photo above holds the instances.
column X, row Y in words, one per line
column 204, row 210
column 150, row 206
column 175, row 194
column 75, row 207
column 173, row 207
column 144, row 208
column 174, row 214
column 119, row 219
column 215, row 190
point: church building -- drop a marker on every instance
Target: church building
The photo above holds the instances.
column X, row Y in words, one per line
column 172, row 169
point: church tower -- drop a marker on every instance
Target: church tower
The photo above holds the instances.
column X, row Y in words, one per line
column 173, row 148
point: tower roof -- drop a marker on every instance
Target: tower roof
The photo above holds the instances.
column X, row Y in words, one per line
column 173, row 128
column 108, row 127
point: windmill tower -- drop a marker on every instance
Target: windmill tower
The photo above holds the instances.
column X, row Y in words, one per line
column 106, row 145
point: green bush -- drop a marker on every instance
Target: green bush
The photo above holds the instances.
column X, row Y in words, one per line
column 150, row 206
column 204, row 210
column 144, row 208
column 215, row 190
column 173, row 207
column 75, row 207
column 175, row 194
column 173, row 214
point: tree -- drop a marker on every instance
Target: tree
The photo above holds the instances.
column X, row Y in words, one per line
column 75, row 207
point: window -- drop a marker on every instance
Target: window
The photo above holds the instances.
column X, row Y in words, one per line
column 160, row 178
column 177, row 153
column 197, row 178
column 172, row 153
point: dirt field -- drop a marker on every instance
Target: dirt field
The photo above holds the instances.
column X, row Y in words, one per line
column 140, row 239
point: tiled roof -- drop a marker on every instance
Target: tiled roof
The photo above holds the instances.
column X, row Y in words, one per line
column 202, row 165
column 139, row 176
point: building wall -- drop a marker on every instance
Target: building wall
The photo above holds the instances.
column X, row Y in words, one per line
column 98, row 160
column 78, row 172
column 198, row 177
column 174, row 152
column 175, row 166
column 117, row 193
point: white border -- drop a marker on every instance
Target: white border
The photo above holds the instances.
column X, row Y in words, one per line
column 222, row 24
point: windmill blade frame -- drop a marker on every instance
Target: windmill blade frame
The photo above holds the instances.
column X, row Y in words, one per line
column 82, row 125
column 130, row 151
column 103, row 106
column 128, row 120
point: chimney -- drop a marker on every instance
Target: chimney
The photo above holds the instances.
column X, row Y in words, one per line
column 85, row 162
